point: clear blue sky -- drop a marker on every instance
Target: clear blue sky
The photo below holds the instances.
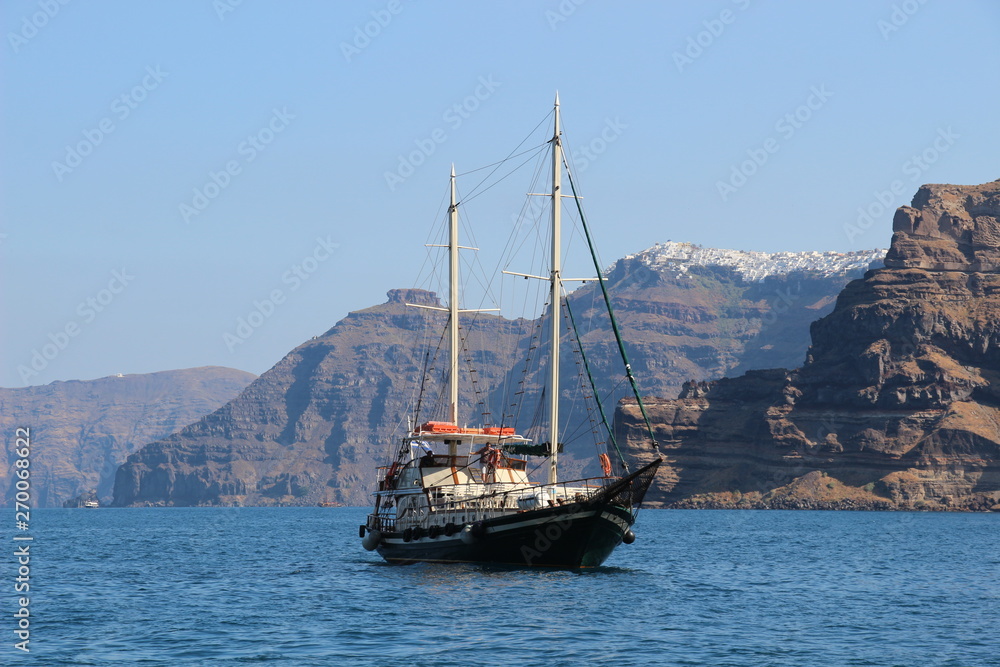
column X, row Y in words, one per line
column 308, row 116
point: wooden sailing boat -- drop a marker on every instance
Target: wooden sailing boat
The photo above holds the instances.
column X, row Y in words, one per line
column 458, row 494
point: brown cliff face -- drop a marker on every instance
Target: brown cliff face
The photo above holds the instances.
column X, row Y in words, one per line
column 898, row 403
column 81, row 431
column 702, row 323
column 313, row 428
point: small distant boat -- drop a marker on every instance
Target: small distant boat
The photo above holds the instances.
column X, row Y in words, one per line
column 457, row 494
column 91, row 504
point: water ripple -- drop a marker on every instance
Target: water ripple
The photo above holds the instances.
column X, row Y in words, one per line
column 293, row 587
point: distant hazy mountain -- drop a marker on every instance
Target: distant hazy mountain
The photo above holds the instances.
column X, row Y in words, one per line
column 313, row 428
column 81, row 431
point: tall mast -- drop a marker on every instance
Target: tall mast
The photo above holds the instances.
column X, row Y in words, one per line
column 555, row 297
column 453, row 301
column 453, row 310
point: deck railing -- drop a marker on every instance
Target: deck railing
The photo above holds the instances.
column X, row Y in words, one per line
column 479, row 502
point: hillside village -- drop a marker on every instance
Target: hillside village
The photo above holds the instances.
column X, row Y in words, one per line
column 677, row 257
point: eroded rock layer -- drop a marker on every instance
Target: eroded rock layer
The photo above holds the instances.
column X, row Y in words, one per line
column 897, row 404
column 314, row 427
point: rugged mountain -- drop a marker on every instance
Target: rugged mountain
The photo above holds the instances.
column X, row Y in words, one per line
column 81, row 431
column 897, row 404
column 687, row 312
column 313, row 428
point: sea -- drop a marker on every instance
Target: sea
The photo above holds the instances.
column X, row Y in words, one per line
column 292, row 586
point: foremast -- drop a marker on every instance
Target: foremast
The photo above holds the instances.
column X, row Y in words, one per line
column 453, row 308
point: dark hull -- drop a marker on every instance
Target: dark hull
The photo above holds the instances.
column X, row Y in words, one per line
column 575, row 535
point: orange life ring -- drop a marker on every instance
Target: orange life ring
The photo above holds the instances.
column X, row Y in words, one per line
column 605, row 464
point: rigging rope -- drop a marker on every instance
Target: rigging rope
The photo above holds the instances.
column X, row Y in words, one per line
column 593, row 387
column 498, row 181
column 424, row 378
column 611, row 312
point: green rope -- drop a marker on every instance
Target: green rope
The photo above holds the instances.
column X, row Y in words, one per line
column 593, row 387
column 611, row 312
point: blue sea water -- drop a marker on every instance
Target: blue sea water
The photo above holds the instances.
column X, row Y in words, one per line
column 244, row 586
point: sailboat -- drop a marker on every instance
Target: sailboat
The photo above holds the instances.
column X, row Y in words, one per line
column 452, row 493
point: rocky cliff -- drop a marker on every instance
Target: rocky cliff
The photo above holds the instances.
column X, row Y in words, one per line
column 690, row 312
column 313, row 428
column 704, row 321
column 81, row 431
column 897, row 404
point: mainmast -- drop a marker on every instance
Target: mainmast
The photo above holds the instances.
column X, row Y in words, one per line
column 453, row 302
column 555, row 298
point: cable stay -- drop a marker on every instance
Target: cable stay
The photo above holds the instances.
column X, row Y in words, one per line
column 593, row 387
column 611, row 311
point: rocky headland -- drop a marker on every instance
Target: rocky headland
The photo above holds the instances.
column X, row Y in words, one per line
column 82, row 430
column 897, row 405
